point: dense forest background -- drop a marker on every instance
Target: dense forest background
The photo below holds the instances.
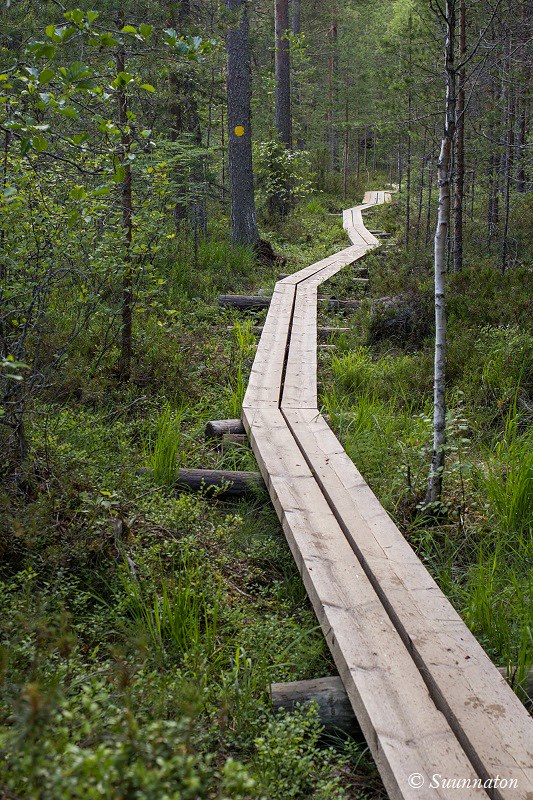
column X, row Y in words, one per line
column 153, row 156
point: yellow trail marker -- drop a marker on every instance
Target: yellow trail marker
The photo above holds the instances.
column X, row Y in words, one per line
column 239, row 130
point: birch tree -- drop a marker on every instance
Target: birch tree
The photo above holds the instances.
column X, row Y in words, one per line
column 440, row 249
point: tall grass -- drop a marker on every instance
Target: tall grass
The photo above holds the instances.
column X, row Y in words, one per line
column 506, row 479
column 245, row 348
column 482, row 553
column 165, row 448
column 181, row 615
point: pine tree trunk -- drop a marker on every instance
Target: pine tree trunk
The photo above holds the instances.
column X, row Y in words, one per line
column 408, row 165
column 420, row 192
column 408, row 178
column 428, row 210
column 460, row 148
column 434, row 489
column 126, row 345
column 296, row 22
column 508, row 158
column 243, row 217
column 283, row 74
column 332, row 79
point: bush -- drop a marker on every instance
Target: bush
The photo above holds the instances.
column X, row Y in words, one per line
column 282, row 175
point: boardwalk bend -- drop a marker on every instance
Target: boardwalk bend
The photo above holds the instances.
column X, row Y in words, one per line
column 427, row 697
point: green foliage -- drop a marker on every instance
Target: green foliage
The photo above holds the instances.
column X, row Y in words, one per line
column 178, row 617
column 165, row 451
column 282, row 175
column 288, row 762
column 506, row 479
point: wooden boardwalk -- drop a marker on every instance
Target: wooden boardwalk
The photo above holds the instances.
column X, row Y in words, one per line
column 428, row 699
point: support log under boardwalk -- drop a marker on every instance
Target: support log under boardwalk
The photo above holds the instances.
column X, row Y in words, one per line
column 334, row 708
column 222, row 484
column 216, row 428
column 256, row 303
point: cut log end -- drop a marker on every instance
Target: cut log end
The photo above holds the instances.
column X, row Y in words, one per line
column 334, row 708
column 217, row 428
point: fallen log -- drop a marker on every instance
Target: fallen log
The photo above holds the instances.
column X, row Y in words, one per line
column 340, row 305
column 218, row 427
column 257, row 303
column 230, row 440
column 323, row 333
column 220, row 483
column 334, row 707
column 244, row 302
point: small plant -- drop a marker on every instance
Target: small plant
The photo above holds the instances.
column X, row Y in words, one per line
column 179, row 616
column 245, row 341
column 164, row 455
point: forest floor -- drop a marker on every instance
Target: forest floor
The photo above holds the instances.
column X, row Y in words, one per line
column 141, row 628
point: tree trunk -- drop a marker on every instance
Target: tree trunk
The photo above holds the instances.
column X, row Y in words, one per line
column 460, row 148
column 282, row 70
column 428, row 212
column 243, row 217
column 296, row 17
column 434, row 489
column 420, row 192
column 508, row 158
column 408, row 176
column 333, row 61
column 126, row 346
column 400, row 164
column 346, row 140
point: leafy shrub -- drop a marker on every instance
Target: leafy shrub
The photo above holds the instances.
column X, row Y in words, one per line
column 288, row 761
column 282, row 175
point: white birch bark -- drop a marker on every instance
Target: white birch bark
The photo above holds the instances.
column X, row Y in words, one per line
column 434, row 489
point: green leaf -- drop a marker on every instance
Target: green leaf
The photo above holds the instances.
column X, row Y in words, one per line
column 145, row 30
column 78, row 193
column 129, row 29
column 101, row 190
column 122, row 79
column 91, row 16
column 25, row 145
column 69, row 111
column 46, row 75
column 119, row 174
column 148, row 87
column 39, row 144
column 79, row 138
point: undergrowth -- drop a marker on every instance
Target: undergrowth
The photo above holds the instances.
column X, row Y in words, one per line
column 377, row 389
column 141, row 627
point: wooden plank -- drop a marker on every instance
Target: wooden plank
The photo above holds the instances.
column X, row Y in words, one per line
column 300, row 385
column 403, row 728
column 489, row 720
column 267, row 368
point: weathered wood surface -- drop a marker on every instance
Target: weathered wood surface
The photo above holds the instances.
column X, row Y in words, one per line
column 425, row 694
column 216, row 428
column 223, row 484
column 244, row 302
column 334, row 708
